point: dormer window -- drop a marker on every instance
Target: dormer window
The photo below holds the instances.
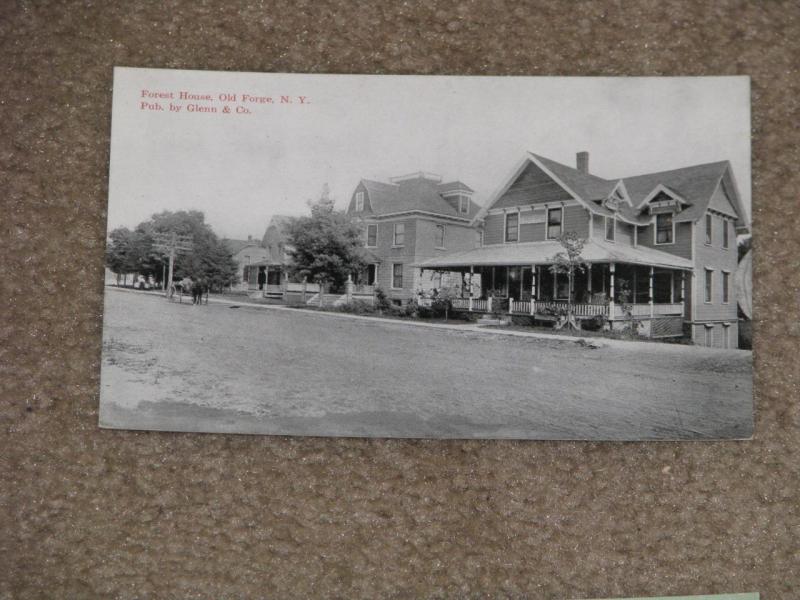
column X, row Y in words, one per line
column 665, row 229
column 359, row 201
column 463, row 204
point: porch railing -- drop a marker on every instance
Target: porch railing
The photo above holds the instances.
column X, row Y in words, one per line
column 580, row 310
column 363, row 289
column 643, row 310
column 460, row 303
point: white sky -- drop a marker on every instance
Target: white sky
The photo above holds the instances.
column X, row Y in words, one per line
column 241, row 169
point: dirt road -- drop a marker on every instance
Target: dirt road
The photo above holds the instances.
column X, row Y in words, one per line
column 215, row 368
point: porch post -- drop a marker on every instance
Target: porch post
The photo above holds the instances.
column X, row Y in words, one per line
column 266, row 280
column 683, row 291
column 305, row 286
column 672, row 287
column 349, row 288
column 651, row 292
column 489, row 304
column 471, row 275
column 533, row 287
column 469, row 307
column 611, row 269
column 510, row 304
column 589, row 280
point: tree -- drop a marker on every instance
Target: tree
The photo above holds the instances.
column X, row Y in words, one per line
column 118, row 251
column 568, row 262
column 326, row 246
column 128, row 251
column 135, row 251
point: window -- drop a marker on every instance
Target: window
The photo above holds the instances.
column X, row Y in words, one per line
column 463, row 204
column 512, row 227
column 372, row 235
column 709, row 285
column 439, row 233
column 725, row 234
column 554, row 218
column 611, row 228
column 397, row 275
column 665, row 233
column 725, row 285
column 399, row 234
column 709, row 225
column 359, row 201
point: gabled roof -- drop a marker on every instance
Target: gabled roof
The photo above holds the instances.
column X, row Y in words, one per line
column 236, row 246
column 588, row 187
column 695, row 184
column 417, row 194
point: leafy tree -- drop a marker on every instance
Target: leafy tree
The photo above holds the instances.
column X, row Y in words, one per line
column 135, row 251
column 326, row 246
column 118, row 251
column 568, row 262
column 128, row 251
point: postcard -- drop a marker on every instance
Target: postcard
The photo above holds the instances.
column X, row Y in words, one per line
column 429, row 256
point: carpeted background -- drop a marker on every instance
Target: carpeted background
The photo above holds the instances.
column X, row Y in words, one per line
column 87, row 513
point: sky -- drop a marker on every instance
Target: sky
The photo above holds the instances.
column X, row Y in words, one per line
column 240, row 169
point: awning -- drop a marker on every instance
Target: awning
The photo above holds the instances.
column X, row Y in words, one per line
column 541, row 253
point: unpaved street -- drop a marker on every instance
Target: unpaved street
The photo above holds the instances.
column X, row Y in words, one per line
column 215, row 368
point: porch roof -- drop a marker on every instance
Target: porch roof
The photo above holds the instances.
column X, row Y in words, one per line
column 541, row 253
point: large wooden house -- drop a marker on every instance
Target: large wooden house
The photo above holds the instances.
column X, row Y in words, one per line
column 661, row 247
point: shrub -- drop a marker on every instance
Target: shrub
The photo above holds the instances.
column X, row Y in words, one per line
column 425, row 312
column 357, row 307
column 410, row 309
column 382, row 302
column 596, row 323
column 441, row 307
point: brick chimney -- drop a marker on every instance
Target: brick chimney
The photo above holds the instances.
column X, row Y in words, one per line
column 582, row 161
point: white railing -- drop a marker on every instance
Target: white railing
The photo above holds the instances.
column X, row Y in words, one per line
column 273, row 289
column 460, row 303
column 519, row 307
column 480, row 305
column 672, row 308
column 643, row 310
column 364, row 289
column 580, row 310
column 311, row 288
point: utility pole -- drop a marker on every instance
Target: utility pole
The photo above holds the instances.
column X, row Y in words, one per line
column 172, row 244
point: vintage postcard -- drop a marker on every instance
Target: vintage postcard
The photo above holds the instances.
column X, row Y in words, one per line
column 425, row 256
